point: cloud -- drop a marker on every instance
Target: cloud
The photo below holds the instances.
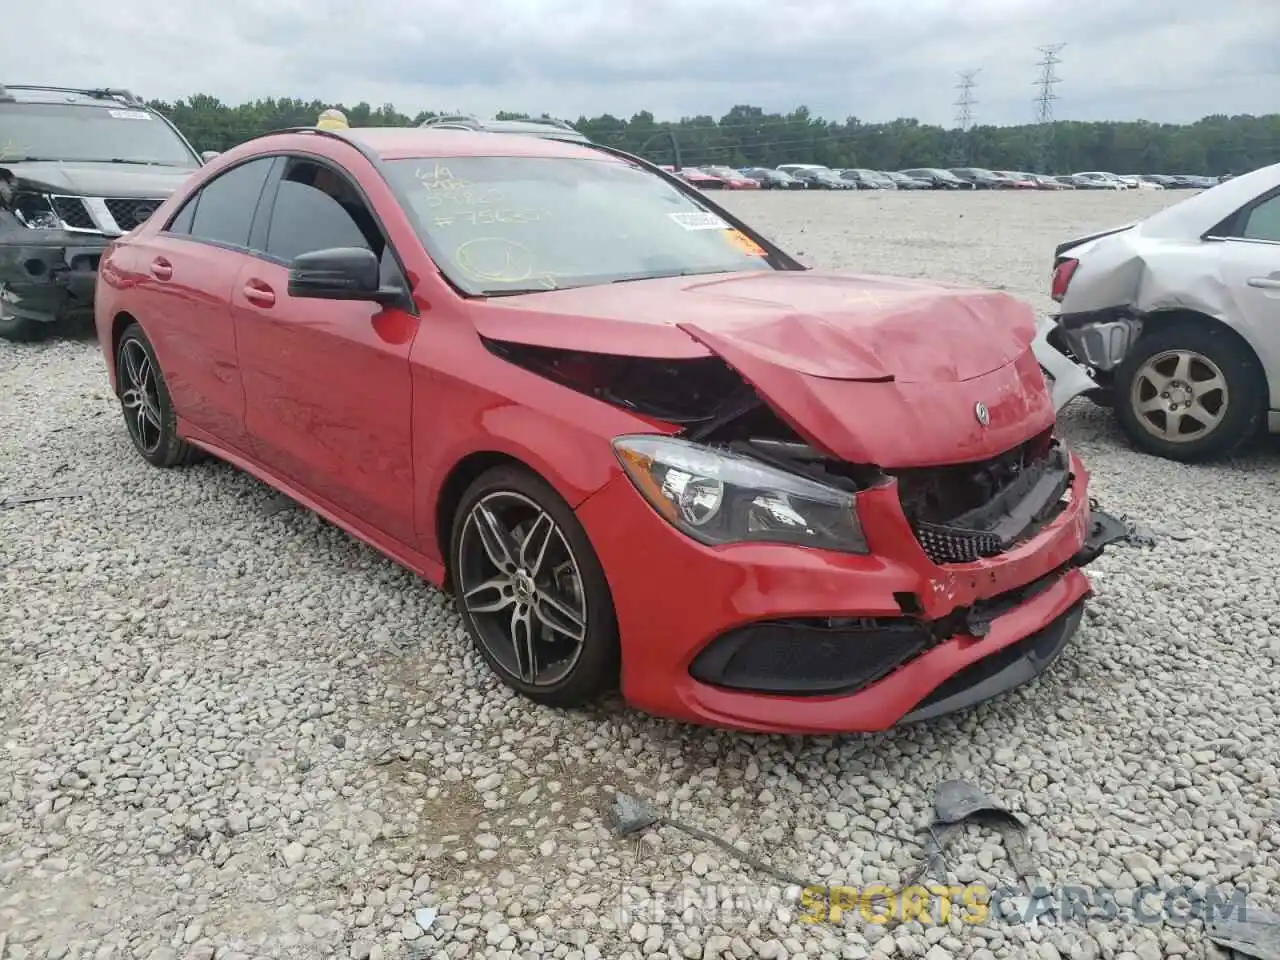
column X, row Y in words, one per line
column 1173, row 60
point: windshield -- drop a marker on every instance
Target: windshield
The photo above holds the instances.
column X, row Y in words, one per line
column 498, row 225
column 46, row 131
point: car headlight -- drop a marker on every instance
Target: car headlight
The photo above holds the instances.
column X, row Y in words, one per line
column 35, row 211
column 719, row 497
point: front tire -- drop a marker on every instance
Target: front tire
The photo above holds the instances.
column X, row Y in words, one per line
column 1189, row 392
column 145, row 402
column 531, row 591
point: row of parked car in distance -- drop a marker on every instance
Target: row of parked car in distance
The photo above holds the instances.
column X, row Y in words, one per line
column 812, row 176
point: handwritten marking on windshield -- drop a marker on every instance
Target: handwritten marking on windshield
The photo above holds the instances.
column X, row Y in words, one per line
column 489, row 217
column 435, row 174
column 495, row 259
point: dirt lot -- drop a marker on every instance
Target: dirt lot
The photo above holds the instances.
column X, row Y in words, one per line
column 229, row 731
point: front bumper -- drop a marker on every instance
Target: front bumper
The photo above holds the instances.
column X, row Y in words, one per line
column 49, row 275
column 676, row 601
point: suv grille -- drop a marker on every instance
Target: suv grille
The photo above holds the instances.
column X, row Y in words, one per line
column 72, row 212
column 130, row 213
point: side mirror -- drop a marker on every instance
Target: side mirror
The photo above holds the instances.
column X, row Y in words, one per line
column 342, row 273
column 208, row 155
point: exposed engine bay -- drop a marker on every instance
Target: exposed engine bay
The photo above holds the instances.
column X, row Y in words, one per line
column 959, row 512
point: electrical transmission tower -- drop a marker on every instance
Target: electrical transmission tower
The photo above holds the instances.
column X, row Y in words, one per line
column 964, row 114
column 965, row 104
column 1049, row 78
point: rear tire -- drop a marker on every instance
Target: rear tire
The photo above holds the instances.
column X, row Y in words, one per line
column 146, row 405
column 1212, row 377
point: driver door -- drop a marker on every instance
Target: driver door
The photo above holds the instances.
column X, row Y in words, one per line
column 327, row 382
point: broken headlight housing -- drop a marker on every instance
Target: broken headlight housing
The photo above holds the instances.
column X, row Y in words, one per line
column 719, row 497
column 35, row 211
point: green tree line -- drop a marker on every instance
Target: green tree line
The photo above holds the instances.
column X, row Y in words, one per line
column 748, row 136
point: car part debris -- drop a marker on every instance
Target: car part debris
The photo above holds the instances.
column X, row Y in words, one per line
column 1256, row 937
column 8, row 503
column 1110, row 529
column 630, row 815
column 956, row 802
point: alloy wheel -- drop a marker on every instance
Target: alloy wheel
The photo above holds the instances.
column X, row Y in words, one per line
column 522, row 588
column 140, row 397
column 1179, row 395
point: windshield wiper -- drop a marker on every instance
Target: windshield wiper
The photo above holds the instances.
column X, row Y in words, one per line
column 667, row 274
column 519, row 291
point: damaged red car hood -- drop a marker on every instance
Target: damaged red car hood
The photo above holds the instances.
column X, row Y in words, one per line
column 873, row 369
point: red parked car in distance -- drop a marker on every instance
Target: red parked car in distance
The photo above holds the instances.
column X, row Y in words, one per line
column 640, row 443
column 733, row 179
column 695, row 177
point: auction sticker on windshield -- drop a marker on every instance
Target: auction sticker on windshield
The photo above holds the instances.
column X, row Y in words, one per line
column 699, row 221
column 745, row 243
column 130, row 114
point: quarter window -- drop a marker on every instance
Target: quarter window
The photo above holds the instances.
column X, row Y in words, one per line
column 1263, row 221
column 228, row 203
column 186, row 216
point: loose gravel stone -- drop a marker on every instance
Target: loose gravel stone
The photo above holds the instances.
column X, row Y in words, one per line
column 230, row 732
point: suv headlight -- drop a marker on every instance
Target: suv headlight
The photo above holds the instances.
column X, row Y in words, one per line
column 718, row 497
column 35, row 211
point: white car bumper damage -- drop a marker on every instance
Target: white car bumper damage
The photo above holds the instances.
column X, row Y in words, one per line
column 1067, row 379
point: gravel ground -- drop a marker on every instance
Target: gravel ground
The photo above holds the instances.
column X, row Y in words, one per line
column 227, row 730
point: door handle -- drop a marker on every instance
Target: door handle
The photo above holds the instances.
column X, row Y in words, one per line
column 1264, row 283
column 257, row 292
column 161, row 268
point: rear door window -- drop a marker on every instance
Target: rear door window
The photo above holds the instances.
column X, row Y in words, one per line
column 227, row 204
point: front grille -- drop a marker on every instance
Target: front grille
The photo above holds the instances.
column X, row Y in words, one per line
column 73, row 212
column 967, row 512
column 131, row 212
column 944, row 544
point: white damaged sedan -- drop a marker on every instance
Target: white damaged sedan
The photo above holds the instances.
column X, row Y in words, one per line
column 1175, row 321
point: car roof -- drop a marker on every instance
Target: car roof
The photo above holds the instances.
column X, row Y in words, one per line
column 106, row 98
column 403, row 143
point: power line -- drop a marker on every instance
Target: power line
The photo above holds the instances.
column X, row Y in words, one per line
column 965, row 104
column 1049, row 79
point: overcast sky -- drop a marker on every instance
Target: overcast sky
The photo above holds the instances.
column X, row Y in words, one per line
column 1166, row 60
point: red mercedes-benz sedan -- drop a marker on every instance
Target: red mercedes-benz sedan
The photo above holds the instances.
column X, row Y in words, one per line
column 639, row 443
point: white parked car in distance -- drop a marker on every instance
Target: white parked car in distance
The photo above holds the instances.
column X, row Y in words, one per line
column 1175, row 320
column 1108, row 180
